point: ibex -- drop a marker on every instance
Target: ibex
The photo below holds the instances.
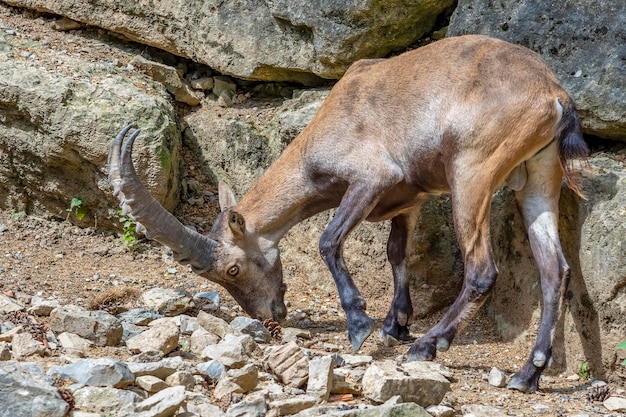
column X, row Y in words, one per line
column 464, row 115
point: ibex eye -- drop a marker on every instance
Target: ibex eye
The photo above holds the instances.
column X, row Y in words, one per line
column 233, row 271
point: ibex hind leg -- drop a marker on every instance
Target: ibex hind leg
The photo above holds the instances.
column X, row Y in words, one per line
column 470, row 207
column 538, row 203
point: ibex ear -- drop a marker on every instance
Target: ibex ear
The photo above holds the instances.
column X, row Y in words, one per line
column 237, row 224
column 227, row 197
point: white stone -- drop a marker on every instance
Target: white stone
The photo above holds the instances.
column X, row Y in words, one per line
column 615, row 404
column 163, row 337
column 150, row 383
column 320, row 380
column 497, row 378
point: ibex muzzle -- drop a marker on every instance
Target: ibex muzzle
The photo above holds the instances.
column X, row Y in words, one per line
column 461, row 116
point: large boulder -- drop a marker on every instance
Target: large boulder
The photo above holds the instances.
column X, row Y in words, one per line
column 57, row 124
column 583, row 41
column 280, row 40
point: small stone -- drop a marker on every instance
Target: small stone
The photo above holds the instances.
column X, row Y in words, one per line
column 64, row 24
column 163, row 337
column 183, row 378
column 441, row 411
column 289, row 364
column 161, row 369
column 167, row 301
column 163, row 403
column 320, row 380
column 105, row 400
column 252, row 327
column 615, row 404
column 293, row 405
column 416, row 383
column 213, row 324
column 233, row 351
column 25, row 345
column 251, row 405
column 202, row 338
column 101, row 372
column 204, row 83
column 150, row 383
column 497, row 378
column 7, row 305
column 211, row 370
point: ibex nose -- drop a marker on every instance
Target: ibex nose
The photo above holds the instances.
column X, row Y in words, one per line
column 279, row 311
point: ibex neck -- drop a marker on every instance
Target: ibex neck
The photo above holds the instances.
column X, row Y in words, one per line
column 282, row 197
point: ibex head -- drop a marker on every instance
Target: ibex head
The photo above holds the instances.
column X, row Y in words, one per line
column 247, row 266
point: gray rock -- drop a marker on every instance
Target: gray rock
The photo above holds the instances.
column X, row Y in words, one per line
column 385, row 410
column 441, row 411
column 200, row 405
column 292, row 405
column 98, row 326
column 211, row 370
column 26, row 391
column 239, row 380
column 588, row 62
column 73, row 342
column 347, row 381
column 161, row 369
column 151, row 383
column 233, row 351
column 213, row 324
column 202, row 338
column 481, row 410
column 42, row 307
column 169, row 77
column 251, row 405
column 210, row 300
column 497, row 378
column 8, row 304
column 67, row 144
column 101, row 372
column 105, row 400
column 167, row 301
column 162, row 337
column 139, row 316
column 284, row 40
column 183, row 378
column 289, row 364
column 24, row 345
column 615, row 403
column 320, row 380
column 163, row 403
column 383, row 380
column 252, row 327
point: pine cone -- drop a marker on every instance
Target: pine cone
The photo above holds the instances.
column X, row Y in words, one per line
column 274, row 328
column 598, row 394
column 67, row 396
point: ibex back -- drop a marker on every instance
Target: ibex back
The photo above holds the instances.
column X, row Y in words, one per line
column 465, row 116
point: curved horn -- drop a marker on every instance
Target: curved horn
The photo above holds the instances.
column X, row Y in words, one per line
column 188, row 246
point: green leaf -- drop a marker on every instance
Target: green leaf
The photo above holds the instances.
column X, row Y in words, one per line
column 76, row 202
column 622, row 345
column 80, row 213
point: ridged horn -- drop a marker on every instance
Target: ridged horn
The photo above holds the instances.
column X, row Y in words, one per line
column 153, row 220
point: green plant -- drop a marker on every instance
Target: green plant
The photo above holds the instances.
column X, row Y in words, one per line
column 622, row 346
column 129, row 228
column 76, row 206
column 583, row 371
column 17, row 214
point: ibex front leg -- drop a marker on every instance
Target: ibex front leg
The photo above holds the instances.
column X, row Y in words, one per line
column 357, row 203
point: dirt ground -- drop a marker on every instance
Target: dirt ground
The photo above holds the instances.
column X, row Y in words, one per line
column 54, row 259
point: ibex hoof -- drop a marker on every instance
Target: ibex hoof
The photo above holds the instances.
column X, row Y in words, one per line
column 358, row 333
